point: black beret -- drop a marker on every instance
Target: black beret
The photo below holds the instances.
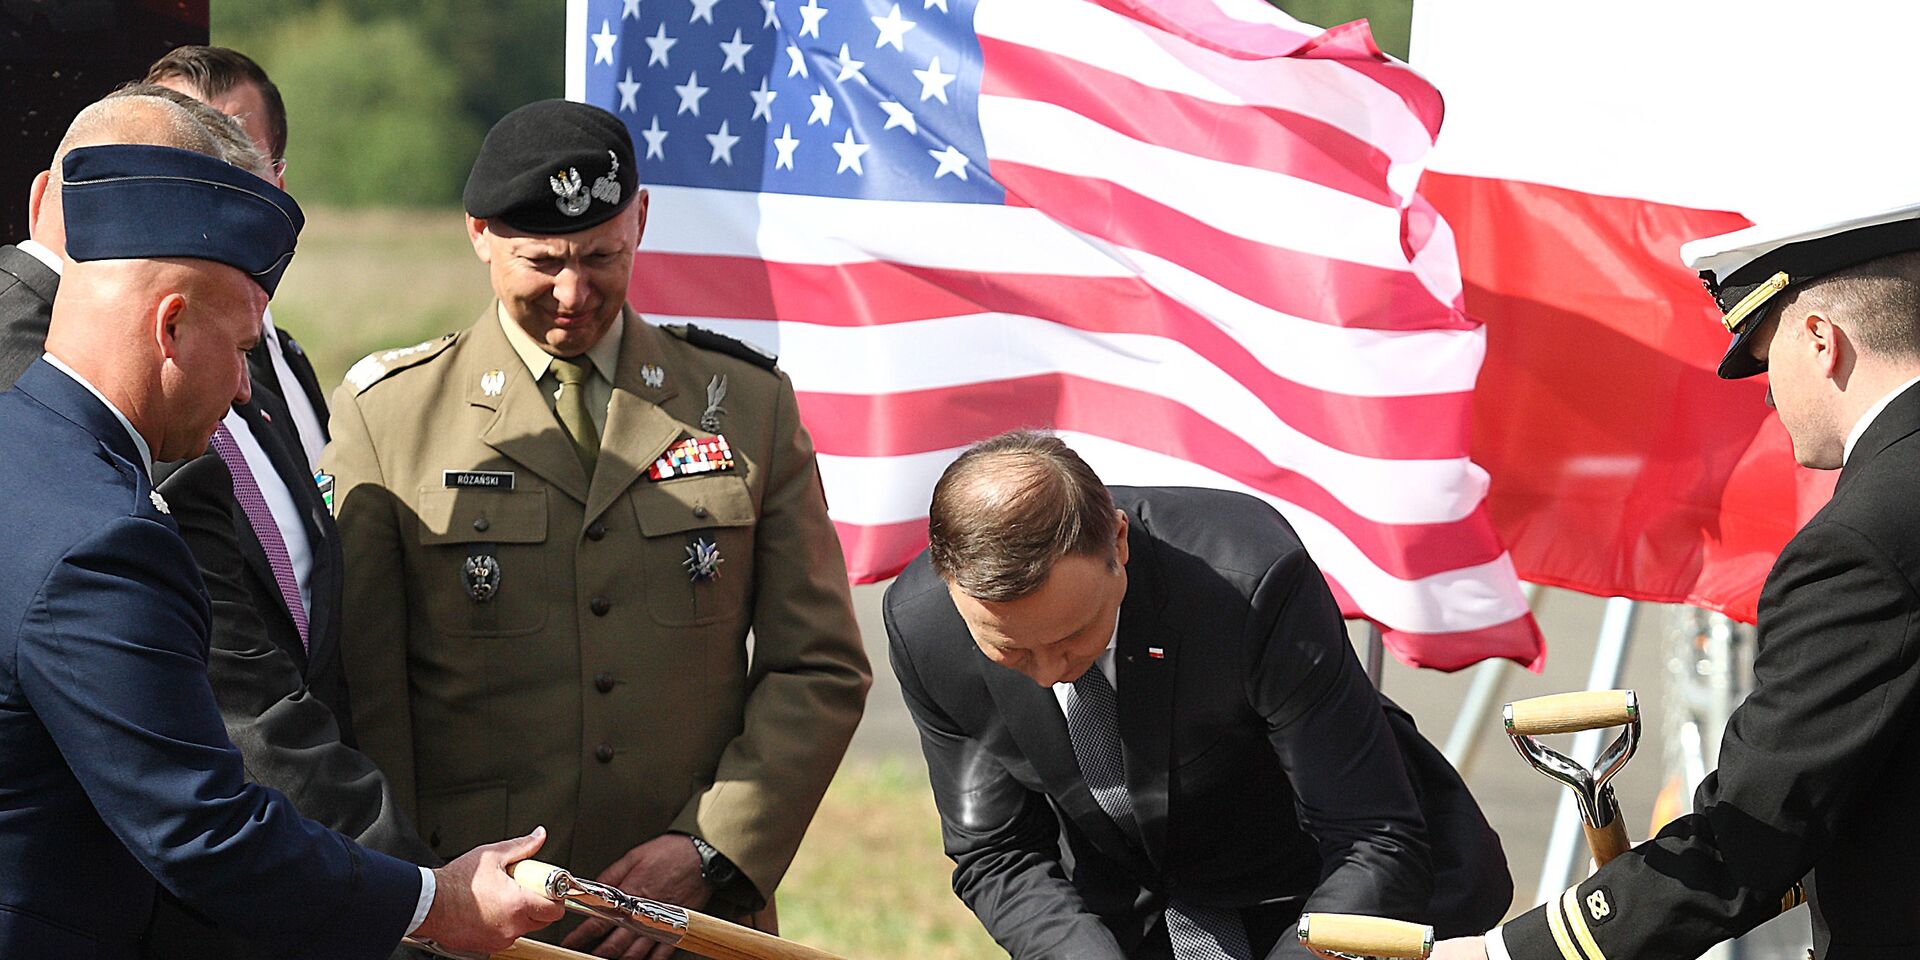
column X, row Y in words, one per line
column 134, row 202
column 553, row 166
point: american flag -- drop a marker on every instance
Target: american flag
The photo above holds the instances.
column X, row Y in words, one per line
column 1180, row 233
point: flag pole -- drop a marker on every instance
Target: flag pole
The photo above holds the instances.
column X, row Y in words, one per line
column 1483, row 700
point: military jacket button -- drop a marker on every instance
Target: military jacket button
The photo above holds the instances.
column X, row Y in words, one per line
column 603, row 683
column 700, row 511
column 596, row 530
column 599, row 606
column 481, row 524
column 604, row 753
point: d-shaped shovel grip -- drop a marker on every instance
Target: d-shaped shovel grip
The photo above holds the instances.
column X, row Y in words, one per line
column 1352, row 935
column 1573, row 713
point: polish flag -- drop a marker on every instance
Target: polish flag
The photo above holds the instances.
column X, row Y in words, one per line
column 1583, row 145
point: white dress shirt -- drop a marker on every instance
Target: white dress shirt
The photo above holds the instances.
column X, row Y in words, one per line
column 1866, row 419
column 41, row 253
column 306, row 420
column 1105, row 663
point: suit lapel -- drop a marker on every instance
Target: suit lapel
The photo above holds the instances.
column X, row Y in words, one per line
column 1033, row 717
column 309, row 381
column 638, row 427
column 28, row 269
column 523, row 429
column 1899, row 419
column 1145, row 690
column 323, row 563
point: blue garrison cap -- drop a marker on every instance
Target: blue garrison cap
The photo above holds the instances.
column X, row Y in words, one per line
column 132, row 201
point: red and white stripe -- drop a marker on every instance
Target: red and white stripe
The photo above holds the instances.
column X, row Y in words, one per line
column 1211, row 270
column 1583, row 146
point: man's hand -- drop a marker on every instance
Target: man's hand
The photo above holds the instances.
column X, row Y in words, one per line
column 667, row 869
column 477, row 906
column 1463, row 948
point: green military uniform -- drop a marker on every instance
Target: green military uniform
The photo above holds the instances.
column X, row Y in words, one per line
column 530, row 644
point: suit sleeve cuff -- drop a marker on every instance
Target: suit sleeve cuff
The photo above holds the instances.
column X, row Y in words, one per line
column 1497, row 946
column 427, row 887
column 1529, row 937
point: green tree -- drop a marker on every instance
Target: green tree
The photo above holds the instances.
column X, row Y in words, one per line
column 373, row 112
column 1391, row 20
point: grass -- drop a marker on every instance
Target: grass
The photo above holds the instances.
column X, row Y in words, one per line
column 366, row 280
column 870, row 882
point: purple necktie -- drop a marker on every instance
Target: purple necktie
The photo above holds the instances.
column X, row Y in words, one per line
column 247, row 491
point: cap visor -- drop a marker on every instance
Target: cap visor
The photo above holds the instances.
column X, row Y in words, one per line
column 1739, row 363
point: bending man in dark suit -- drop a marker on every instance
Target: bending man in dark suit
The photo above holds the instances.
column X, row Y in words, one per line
column 1817, row 777
column 119, row 773
column 1161, row 677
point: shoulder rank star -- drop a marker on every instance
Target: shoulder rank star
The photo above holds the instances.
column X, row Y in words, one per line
column 716, row 395
column 703, row 560
column 159, row 502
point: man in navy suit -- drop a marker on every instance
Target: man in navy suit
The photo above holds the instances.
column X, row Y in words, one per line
column 115, row 771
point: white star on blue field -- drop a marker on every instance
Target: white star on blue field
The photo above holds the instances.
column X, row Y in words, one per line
column 835, row 98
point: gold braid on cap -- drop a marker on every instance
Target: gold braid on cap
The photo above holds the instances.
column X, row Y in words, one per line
column 1752, row 302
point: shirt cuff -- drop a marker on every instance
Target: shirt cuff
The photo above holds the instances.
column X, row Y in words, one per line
column 1497, row 946
column 428, row 886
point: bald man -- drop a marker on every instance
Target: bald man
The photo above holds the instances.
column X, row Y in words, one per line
column 120, row 777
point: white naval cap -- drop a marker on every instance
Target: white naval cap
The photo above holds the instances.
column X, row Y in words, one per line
column 1746, row 268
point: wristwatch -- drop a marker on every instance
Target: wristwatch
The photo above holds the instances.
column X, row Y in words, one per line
column 715, row 868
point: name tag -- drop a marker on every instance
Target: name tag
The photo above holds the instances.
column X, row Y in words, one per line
column 482, row 479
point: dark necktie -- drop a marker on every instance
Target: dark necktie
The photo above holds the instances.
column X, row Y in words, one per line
column 570, row 405
column 1196, row 932
column 254, row 504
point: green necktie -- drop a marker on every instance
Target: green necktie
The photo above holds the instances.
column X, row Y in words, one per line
column 570, row 403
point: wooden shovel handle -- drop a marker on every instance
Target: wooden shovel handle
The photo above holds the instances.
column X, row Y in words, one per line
column 1365, row 936
column 1606, row 842
column 1572, row 712
column 722, row 940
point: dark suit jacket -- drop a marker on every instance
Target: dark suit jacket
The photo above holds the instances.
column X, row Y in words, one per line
column 26, row 305
column 1818, row 767
column 285, row 709
column 260, row 368
column 118, row 768
column 1264, row 772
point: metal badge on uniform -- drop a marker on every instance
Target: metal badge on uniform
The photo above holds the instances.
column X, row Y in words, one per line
column 716, row 395
column 477, row 479
column 571, row 191
column 159, row 502
column 482, row 574
column 693, row 455
column 607, row 189
column 653, row 376
column 703, row 560
column 324, row 481
column 492, row 382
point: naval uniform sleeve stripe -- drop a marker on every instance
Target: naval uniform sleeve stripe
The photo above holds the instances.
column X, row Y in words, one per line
column 1557, row 924
column 1570, row 905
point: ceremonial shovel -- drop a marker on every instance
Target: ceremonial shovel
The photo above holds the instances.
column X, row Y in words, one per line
column 522, row 949
column 1347, row 936
column 1572, row 713
column 676, row 926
